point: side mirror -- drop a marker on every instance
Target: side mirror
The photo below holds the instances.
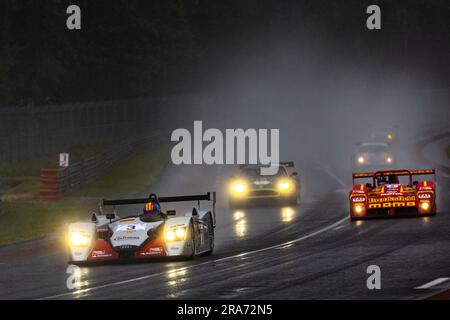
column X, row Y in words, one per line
column 294, row 174
column 171, row 212
column 415, row 183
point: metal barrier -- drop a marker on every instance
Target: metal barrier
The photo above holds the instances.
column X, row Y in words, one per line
column 54, row 182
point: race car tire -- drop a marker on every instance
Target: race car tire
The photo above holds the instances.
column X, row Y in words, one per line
column 192, row 254
column 211, row 236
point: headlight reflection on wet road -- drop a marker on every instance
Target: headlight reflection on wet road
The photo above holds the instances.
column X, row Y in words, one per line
column 240, row 227
column 288, row 214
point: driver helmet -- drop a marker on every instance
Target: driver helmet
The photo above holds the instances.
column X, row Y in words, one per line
column 393, row 179
column 152, row 209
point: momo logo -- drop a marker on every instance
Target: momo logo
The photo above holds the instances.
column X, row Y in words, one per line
column 392, row 205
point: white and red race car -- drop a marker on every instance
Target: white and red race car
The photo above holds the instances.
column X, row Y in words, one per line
column 109, row 237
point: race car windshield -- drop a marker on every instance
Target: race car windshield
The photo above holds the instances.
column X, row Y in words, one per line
column 374, row 149
column 256, row 172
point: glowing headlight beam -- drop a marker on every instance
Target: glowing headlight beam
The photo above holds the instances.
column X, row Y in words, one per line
column 79, row 239
column 358, row 209
column 177, row 234
column 170, row 235
column 239, row 188
column 425, row 206
column 180, row 233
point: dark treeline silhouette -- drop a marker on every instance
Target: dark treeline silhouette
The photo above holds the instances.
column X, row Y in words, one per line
column 132, row 48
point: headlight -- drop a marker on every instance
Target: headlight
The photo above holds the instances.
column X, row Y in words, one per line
column 238, row 187
column 425, row 205
column 361, row 159
column 79, row 239
column 358, row 209
column 285, row 185
column 389, row 136
column 177, row 234
column 389, row 159
column 180, row 233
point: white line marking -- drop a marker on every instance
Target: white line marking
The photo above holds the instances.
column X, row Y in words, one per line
column 338, row 227
column 433, row 283
column 288, row 243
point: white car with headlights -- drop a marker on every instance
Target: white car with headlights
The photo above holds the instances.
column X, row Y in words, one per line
column 373, row 155
column 111, row 236
column 250, row 187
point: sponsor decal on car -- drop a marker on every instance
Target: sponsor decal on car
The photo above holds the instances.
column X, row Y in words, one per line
column 152, row 251
column 100, row 253
column 124, row 238
column 130, row 228
column 392, row 199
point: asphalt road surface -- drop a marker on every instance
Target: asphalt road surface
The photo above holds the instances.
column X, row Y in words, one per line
column 311, row 251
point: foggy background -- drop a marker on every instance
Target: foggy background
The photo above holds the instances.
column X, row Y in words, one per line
column 310, row 68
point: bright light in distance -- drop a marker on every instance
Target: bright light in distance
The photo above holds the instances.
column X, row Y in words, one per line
column 361, row 159
column 239, row 188
column 389, row 159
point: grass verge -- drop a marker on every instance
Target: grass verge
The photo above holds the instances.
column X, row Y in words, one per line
column 31, row 219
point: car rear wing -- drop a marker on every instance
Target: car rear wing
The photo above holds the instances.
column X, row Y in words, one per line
column 396, row 172
column 199, row 197
column 288, row 164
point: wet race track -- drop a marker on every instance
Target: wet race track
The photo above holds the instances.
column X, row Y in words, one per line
column 311, row 251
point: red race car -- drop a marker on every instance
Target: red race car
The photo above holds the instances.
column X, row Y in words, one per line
column 392, row 193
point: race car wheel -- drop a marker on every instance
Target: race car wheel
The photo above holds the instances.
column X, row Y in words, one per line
column 192, row 255
column 210, row 236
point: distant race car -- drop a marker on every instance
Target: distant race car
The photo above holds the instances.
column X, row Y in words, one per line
column 249, row 186
column 387, row 196
column 149, row 234
column 373, row 155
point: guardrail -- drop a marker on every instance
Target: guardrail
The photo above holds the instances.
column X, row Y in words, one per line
column 54, row 182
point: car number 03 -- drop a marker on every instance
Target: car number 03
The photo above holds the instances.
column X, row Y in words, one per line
column 230, row 309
